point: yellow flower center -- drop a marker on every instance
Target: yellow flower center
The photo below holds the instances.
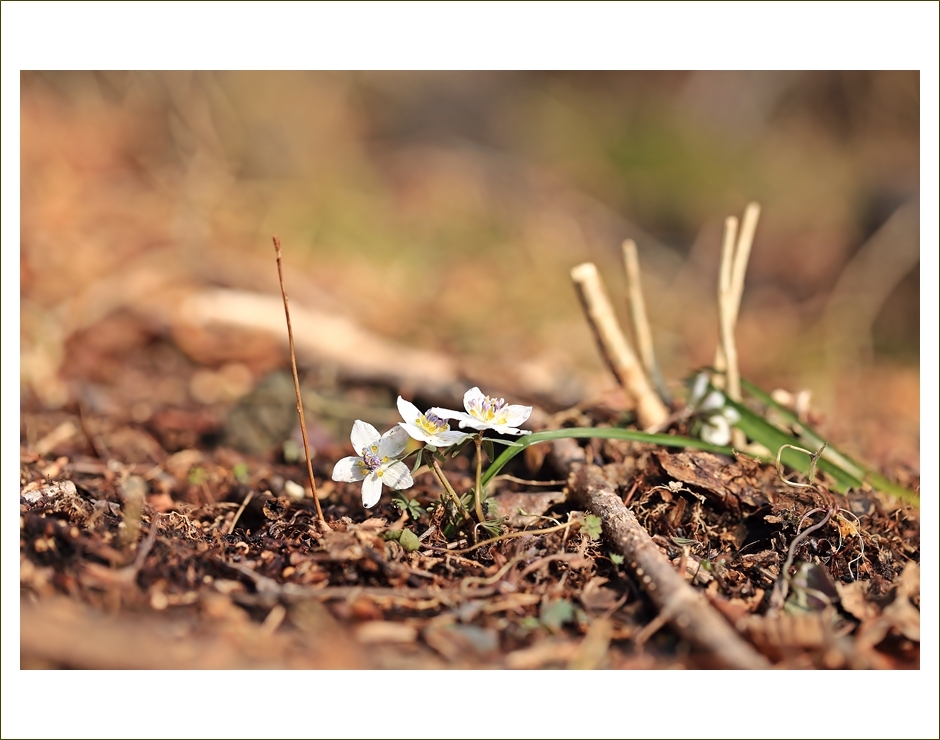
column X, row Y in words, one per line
column 487, row 409
column 431, row 423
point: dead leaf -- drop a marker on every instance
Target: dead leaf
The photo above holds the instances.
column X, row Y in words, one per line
column 510, row 504
column 596, row 597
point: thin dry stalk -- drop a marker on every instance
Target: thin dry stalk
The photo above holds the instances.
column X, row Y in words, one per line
column 614, row 347
column 727, row 320
column 509, row 536
column 689, row 613
column 724, row 286
column 293, row 365
column 742, row 254
column 641, row 327
column 241, row 510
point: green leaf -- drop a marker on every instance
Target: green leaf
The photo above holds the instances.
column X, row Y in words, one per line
column 197, row 476
column 760, row 430
column 493, row 527
column 556, row 613
column 411, row 505
column 488, row 449
column 418, row 459
column 240, row 472
column 665, row 440
column 527, row 624
column 292, row 451
column 409, row 541
column 616, row 558
column 504, row 442
column 844, row 471
column 812, row 440
column 592, row 526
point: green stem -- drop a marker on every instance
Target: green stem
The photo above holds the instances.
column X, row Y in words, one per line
column 436, row 467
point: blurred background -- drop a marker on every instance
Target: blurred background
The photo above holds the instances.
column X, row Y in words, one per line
column 442, row 211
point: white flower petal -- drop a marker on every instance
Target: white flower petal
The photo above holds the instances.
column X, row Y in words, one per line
column 348, row 470
column 468, row 421
column 447, row 413
column 448, row 439
column 731, row 414
column 514, row 415
column 455, row 416
column 506, row 429
column 409, row 412
column 714, row 400
column 415, row 432
column 716, row 431
column 393, row 442
column 371, row 490
column 396, row 475
column 473, row 397
column 699, row 387
column 363, row 435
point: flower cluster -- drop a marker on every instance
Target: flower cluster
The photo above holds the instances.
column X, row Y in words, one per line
column 379, row 461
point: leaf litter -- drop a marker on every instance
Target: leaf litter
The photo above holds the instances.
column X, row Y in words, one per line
column 157, row 536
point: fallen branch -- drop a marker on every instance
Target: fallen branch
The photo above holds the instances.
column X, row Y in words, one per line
column 689, row 613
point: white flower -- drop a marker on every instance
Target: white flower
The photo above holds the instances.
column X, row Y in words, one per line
column 429, row 427
column 484, row 412
column 698, row 390
column 716, row 428
column 377, row 463
column 717, row 418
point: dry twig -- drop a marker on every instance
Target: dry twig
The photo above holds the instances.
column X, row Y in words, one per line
column 641, row 327
column 735, row 263
column 685, row 608
column 293, row 365
column 614, row 347
column 727, row 320
column 735, row 252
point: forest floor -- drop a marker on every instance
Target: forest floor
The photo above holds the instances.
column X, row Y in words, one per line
column 159, row 532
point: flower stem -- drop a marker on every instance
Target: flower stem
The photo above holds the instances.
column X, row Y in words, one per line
column 436, row 467
column 478, row 489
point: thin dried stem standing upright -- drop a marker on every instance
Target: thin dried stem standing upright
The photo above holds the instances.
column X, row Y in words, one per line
column 293, row 365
